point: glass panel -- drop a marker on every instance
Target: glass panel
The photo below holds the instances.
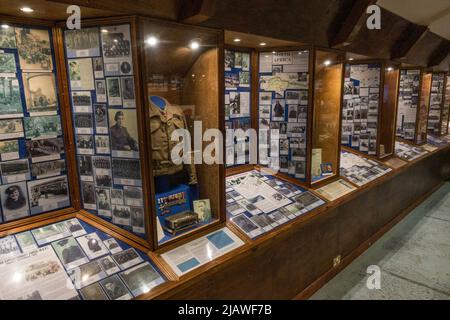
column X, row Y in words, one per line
column 327, row 104
column 237, row 106
column 361, row 107
column 408, row 102
column 387, row 116
column 102, row 95
column 283, row 111
column 446, row 111
column 436, row 103
column 32, row 151
column 182, row 87
column 423, row 111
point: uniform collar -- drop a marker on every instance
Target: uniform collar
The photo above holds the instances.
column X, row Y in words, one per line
column 164, row 115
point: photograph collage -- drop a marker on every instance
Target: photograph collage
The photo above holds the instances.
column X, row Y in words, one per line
column 283, row 111
column 446, row 110
column 408, row 102
column 237, row 105
column 32, row 154
column 100, row 69
column 409, row 152
column 72, row 260
column 436, row 101
column 360, row 170
column 360, row 107
column 258, row 204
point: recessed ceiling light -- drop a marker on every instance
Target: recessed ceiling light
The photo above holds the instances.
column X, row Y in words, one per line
column 5, row 26
column 26, row 9
column 351, row 59
column 327, row 63
column 104, row 31
column 237, row 40
column 390, row 69
column 152, row 41
column 194, row 45
column 274, row 52
column 262, row 44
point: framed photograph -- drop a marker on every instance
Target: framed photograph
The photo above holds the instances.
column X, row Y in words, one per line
column 50, row 233
column 98, row 68
column 48, row 194
column 10, row 99
column 101, row 119
column 45, row 127
column 114, row 91
column 124, row 133
column 84, row 123
column 103, row 202
column 127, row 258
column 7, row 37
column 92, row 245
column 93, row 292
column 100, row 91
column 127, row 172
column 26, row 241
column 81, row 74
column 133, row 196
column 11, row 129
column 117, row 196
column 85, row 168
column 86, row 274
column 102, row 145
column 117, row 54
column 108, row 265
column 14, row 200
column 121, row 215
column 48, row 169
column 137, row 219
column 75, row 227
column 34, row 49
column 115, row 289
column 9, row 150
column 69, row 252
column 85, row 144
column 44, row 150
column 82, row 101
column 14, row 171
column 112, row 245
column 203, row 209
column 88, row 195
column 9, row 248
column 129, row 98
column 141, row 279
column 278, row 110
column 82, row 42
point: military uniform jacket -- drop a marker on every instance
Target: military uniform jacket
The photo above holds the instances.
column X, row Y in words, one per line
column 162, row 124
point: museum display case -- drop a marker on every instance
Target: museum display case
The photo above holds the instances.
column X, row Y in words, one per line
column 446, row 107
column 370, row 107
column 438, row 112
column 182, row 72
column 424, row 106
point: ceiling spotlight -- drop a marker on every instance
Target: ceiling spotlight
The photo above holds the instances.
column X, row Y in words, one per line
column 5, row 26
column 262, row 44
column 104, row 31
column 194, row 45
column 390, row 69
column 152, row 41
column 327, row 63
column 237, row 40
column 26, row 9
column 351, row 59
column 274, row 52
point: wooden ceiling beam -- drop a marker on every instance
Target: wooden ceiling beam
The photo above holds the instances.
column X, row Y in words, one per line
column 407, row 40
column 439, row 54
column 349, row 23
column 196, row 11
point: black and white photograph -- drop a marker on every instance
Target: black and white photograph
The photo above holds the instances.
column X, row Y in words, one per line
column 101, row 119
column 98, row 69
column 124, row 133
column 84, row 123
column 88, row 195
column 121, row 215
column 114, row 91
column 133, row 196
column 245, row 224
column 85, row 144
column 48, row 169
column 10, row 99
column 108, row 265
column 117, row 196
column 7, row 37
column 44, row 150
column 14, row 171
column 81, row 74
column 82, row 42
column 48, row 194
column 40, row 93
column 112, row 245
column 93, row 292
column 127, row 258
column 75, row 227
column 82, row 101
column 8, row 248
column 128, row 96
column 115, row 288
column 86, row 274
column 100, row 91
column 92, row 245
column 102, row 171
column 34, row 48
column 85, row 168
column 102, row 144
column 127, row 171
column 11, row 129
column 69, row 252
column 137, row 219
column 14, row 200
column 116, row 48
column 103, row 197
column 44, row 127
column 141, row 279
column 278, row 110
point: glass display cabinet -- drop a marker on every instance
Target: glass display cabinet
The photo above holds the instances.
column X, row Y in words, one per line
column 422, row 121
column 182, row 74
column 446, row 108
column 438, row 113
column 410, row 116
column 370, row 107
